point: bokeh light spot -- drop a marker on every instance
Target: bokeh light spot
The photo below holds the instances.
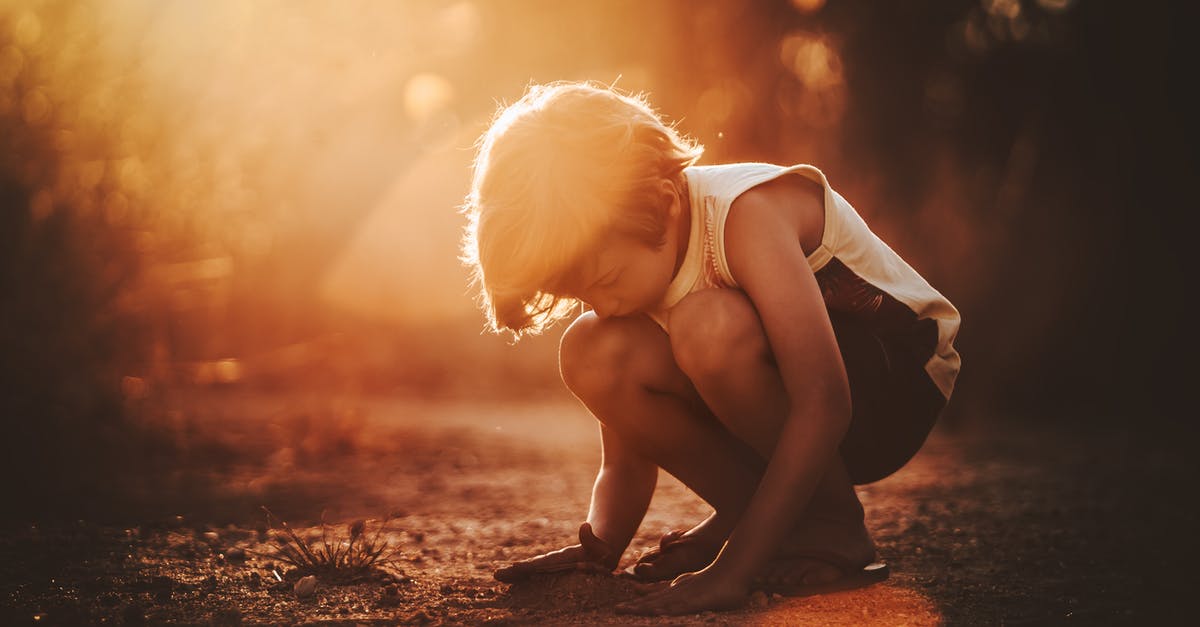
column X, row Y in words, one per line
column 819, row 98
column 227, row 371
column 426, row 94
column 1055, row 6
column 975, row 37
column 27, row 29
column 1002, row 8
column 808, row 6
column 811, row 60
column 459, row 25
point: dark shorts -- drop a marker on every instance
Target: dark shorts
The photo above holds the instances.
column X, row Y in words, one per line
column 895, row 403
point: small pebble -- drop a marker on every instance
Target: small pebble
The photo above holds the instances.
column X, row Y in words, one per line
column 305, row 587
column 758, row 599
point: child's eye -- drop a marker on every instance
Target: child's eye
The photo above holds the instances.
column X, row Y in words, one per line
column 609, row 279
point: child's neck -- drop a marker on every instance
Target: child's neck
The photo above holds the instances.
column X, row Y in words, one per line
column 683, row 225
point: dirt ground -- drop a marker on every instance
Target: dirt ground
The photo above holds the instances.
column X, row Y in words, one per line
column 988, row 526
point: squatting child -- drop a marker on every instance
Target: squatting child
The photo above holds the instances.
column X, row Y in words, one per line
column 745, row 331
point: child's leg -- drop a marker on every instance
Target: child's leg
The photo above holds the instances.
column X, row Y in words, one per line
column 718, row 341
column 623, row 371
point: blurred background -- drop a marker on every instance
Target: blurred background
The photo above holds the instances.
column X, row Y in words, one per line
column 213, row 199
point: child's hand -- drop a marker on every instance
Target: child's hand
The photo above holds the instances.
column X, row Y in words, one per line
column 591, row 555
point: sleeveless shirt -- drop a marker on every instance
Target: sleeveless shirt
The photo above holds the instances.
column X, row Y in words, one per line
column 857, row 272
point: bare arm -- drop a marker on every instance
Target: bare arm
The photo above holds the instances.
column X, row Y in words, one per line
column 621, row 493
column 762, row 243
column 762, row 239
column 620, row 498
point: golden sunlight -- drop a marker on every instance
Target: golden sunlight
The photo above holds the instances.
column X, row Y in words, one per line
column 245, row 378
column 821, row 95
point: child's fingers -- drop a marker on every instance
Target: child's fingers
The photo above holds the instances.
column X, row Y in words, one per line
column 524, row 569
column 510, row 574
column 561, row 561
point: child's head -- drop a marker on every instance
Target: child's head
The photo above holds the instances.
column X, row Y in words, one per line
column 564, row 170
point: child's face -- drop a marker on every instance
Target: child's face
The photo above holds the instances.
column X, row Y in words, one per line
column 628, row 276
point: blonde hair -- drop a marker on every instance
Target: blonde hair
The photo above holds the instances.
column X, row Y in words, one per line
column 557, row 174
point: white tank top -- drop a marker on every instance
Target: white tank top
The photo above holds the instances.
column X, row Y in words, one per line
column 857, row 272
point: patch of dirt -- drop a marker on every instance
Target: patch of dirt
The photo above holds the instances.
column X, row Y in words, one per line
column 1022, row 526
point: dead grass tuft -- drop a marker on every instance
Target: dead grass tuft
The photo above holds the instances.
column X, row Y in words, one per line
column 356, row 554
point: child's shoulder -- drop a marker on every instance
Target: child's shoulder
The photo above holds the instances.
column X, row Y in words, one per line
column 749, row 183
column 736, row 178
column 753, row 196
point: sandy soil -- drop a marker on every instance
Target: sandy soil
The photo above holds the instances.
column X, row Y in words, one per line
column 1009, row 526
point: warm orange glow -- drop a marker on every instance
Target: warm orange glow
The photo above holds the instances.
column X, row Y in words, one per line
column 1056, row 6
column 882, row 605
column 817, row 66
column 425, row 94
column 808, row 6
column 812, row 60
column 236, row 138
column 1005, row 8
column 230, row 275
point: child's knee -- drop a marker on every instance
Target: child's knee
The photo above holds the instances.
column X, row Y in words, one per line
column 713, row 331
column 596, row 357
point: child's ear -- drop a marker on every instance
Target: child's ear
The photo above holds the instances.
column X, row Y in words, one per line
column 671, row 193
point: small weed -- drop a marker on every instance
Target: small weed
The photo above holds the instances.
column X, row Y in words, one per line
column 333, row 558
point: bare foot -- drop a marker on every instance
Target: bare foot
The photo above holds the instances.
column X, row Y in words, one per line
column 819, row 552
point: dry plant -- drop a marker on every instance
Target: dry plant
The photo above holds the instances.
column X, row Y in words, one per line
column 355, row 556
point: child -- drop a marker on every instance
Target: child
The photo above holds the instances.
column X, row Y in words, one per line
column 747, row 333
